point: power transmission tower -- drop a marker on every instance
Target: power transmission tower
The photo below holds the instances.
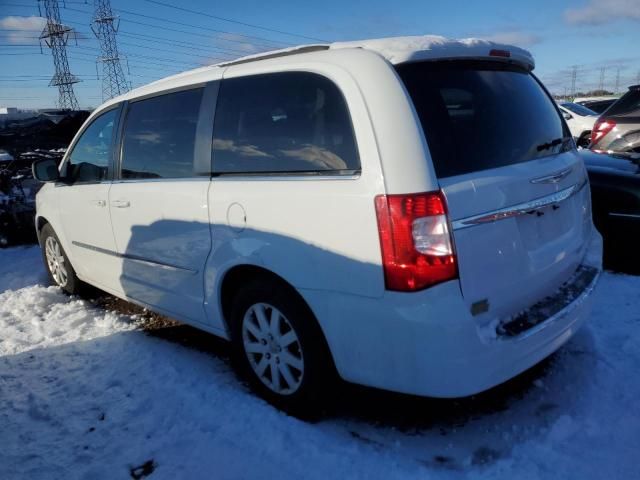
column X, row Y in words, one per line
column 617, row 80
column 601, row 84
column 105, row 26
column 574, row 75
column 55, row 36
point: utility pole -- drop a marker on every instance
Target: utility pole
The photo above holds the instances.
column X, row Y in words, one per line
column 617, row 80
column 55, row 36
column 105, row 26
column 574, row 76
column 601, row 84
column 638, row 78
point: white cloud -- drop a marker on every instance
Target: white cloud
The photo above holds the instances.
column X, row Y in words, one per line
column 237, row 42
column 22, row 29
column 598, row 12
column 514, row 37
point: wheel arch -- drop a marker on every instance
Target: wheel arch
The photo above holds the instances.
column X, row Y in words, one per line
column 41, row 221
column 238, row 275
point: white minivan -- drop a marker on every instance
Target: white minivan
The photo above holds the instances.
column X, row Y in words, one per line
column 408, row 213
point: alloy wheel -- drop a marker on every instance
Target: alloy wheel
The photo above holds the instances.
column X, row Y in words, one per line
column 272, row 348
column 55, row 261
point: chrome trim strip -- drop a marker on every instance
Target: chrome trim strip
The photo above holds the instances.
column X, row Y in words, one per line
column 626, row 215
column 519, row 209
column 554, row 177
column 134, row 258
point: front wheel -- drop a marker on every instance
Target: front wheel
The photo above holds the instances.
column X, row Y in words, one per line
column 280, row 348
column 60, row 271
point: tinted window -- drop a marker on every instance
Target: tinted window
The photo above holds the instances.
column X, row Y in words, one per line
column 159, row 136
column 91, row 155
column 481, row 115
column 578, row 109
column 282, row 122
column 599, row 106
column 627, row 105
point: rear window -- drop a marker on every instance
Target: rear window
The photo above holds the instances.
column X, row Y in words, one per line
column 482, row 115
column 578, row 109
column 627, row 105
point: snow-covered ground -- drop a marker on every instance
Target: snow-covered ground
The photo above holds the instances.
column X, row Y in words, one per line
column 87, row 393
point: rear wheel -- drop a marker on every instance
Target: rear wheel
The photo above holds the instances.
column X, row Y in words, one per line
column 60, row 271
column 280, row 348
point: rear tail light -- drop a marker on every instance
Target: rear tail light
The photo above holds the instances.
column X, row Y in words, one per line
column 600, row 129
column 417, row 250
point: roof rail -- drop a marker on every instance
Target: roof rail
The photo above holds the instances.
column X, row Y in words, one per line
column 275, row 54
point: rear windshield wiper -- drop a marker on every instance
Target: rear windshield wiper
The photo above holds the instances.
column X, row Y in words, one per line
column 551, row 144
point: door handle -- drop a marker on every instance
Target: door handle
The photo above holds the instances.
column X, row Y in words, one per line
column 121, row 203
column 99, row 203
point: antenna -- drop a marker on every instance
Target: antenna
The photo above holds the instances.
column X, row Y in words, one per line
column 55, row 35
column 105, row 26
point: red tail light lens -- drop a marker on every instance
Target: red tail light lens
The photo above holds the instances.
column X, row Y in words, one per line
column 417, row 250
column 600, row 129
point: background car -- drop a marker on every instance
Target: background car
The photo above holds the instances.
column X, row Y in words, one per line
column 615, row 195
column 580, row 121
column 597, row 104
column 618, row 129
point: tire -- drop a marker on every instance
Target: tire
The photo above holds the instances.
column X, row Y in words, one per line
column 584, row 139
column 59, row 268
column 274, row 332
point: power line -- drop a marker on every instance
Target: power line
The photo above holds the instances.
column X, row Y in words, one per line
column 282, row 32
column 243, row 39
column 168, row 59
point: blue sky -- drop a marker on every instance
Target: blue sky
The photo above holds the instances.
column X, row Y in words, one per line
column 159, row 40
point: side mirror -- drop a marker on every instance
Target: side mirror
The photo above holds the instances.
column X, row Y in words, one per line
column 46, row 170
column 567, row 116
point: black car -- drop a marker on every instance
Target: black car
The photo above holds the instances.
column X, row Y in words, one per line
column 598, row 106
column 615, row 194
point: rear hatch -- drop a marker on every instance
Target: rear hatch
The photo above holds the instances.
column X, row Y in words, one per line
column 618, row 129
column 514, row 184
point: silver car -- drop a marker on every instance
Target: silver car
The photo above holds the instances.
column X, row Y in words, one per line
column 618, row 128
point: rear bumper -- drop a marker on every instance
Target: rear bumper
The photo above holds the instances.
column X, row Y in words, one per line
column 428, row 343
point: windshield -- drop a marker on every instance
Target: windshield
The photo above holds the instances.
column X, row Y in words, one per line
column 479, row 115
column 578, row 109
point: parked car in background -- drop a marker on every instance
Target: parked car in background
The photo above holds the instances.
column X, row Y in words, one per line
column 597, row 104
column 580, row 120
column 353, row 209
column 615, row 193
column 618, row 129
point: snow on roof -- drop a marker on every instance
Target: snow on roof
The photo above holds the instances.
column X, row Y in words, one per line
column 407, row 49
column 426, row 47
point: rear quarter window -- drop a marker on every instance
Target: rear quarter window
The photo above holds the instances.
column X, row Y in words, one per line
column 293, row 122
column 482, row 115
